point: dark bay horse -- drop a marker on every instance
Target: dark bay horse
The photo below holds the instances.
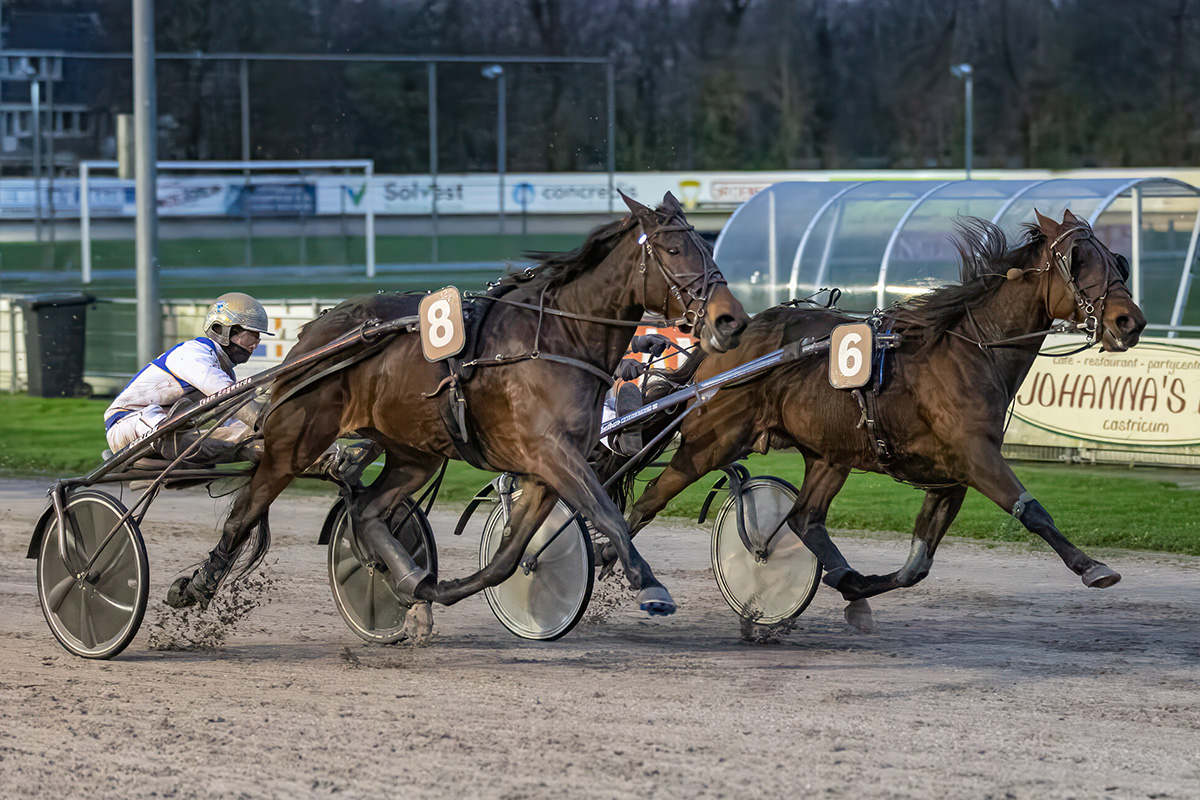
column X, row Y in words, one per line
column 550, row 337
column 941, row 402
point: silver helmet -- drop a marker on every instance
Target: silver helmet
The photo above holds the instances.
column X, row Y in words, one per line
column 234, row 309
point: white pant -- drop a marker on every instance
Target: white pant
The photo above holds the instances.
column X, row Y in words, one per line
column 136, row 425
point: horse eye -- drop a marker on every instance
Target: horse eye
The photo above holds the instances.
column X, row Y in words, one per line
column 673, row 251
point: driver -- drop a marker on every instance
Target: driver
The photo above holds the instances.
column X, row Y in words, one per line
column 198, row 367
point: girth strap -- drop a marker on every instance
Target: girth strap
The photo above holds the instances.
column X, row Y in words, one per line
column 868, row 403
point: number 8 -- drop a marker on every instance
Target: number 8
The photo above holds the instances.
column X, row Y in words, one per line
column 441, row 327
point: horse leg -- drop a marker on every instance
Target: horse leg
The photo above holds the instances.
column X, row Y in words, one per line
column 578, row 485
column 369, row 508
column 528, row 513
column 940, row 508
column 272, row 475
column 997, row 482
column 822, row 482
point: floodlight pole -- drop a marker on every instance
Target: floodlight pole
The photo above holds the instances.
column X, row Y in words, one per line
column 35, row 100
column 433, row 156
column 967, row 73
column 149, row 314
column 496, row 72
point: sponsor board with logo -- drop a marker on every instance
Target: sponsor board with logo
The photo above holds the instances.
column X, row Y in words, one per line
column 473, row 193
column 1145, row 398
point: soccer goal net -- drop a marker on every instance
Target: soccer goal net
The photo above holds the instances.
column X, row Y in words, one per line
column 287, row 215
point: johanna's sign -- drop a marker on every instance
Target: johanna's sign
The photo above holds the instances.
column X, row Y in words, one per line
column 1147, row 396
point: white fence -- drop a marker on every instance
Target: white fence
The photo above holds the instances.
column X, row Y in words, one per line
column 182, row 320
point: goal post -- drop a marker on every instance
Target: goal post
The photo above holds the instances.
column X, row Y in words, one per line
column 270, row 169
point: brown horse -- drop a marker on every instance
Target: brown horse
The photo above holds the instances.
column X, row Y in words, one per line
column 939, row 411
column 532, row 396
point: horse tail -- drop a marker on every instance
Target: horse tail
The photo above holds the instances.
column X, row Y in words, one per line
column 254, row 549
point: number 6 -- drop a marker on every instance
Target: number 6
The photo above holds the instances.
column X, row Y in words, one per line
column 849, row 356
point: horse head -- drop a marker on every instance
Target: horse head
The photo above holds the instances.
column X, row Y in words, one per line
column 1088, row 283
column 679, row 279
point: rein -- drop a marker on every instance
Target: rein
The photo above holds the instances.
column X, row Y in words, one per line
column 710, row 279
column 1086, row 305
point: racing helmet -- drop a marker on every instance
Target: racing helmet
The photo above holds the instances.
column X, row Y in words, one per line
column 234, row 309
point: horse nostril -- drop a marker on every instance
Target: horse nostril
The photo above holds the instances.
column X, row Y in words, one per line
column 729, row 325
column 1127, row 324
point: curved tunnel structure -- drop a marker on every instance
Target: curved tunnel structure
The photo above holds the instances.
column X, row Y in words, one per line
column 881, row 241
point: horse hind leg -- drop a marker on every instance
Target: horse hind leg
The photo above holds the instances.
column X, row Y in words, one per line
column 369, row 508
column 940, row 508
column 292, row 441
column 822, row 482
column 249, row 509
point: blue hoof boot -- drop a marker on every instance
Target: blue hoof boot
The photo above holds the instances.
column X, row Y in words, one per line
column 656, row 601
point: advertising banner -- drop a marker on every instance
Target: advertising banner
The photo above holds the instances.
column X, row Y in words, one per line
column 473, row 193
column 1147, row 397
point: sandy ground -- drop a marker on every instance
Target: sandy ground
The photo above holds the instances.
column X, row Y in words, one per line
column 1000, row 676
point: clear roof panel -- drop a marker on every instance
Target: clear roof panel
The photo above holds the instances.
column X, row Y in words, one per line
column 882, row 241
column 760, row 269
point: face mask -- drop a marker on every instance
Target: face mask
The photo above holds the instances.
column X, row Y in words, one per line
column 237, row 354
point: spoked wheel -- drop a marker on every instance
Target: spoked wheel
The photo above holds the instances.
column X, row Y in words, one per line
column 93, row 588
column 549, row 592
column 360, row 590
column 771, row 587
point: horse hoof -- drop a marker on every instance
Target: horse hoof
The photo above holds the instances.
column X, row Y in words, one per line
column 178, row 596
column 859, row 616
column 418, row 623
column 656, row 601
column 1100, row 577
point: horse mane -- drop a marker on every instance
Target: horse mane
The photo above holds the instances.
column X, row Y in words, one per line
column 985, row 259
column 557, row 268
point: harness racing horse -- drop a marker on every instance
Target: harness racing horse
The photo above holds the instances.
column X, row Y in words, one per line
column 530, row 400
column 936, row 417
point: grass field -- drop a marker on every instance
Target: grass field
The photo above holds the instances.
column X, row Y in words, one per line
column 195, row 267
column 1094, row 506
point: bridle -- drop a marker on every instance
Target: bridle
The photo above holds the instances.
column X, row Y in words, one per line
column 1091, row 308
column 680, row 285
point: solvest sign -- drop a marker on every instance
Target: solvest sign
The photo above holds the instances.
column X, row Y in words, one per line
column 1147, row 396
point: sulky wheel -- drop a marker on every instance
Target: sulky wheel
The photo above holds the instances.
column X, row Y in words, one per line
column 550, row 590
column 361, row 592
column 93, row 588
column 762, row 589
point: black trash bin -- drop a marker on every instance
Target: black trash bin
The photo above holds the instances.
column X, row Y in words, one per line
column 55, row 334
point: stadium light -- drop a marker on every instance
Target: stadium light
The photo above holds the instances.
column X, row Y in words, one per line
column 966, row 73
column 496, row 72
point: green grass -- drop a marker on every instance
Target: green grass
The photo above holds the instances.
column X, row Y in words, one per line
column 1094, row 506
column 272, row 251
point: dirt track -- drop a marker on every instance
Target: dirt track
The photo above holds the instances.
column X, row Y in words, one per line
column 1000, row 676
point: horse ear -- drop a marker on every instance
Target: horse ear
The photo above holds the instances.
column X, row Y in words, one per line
column 634, row 205
column 670, row 205
column 641, row 213
column 1068, row 217
column 1047, row 225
